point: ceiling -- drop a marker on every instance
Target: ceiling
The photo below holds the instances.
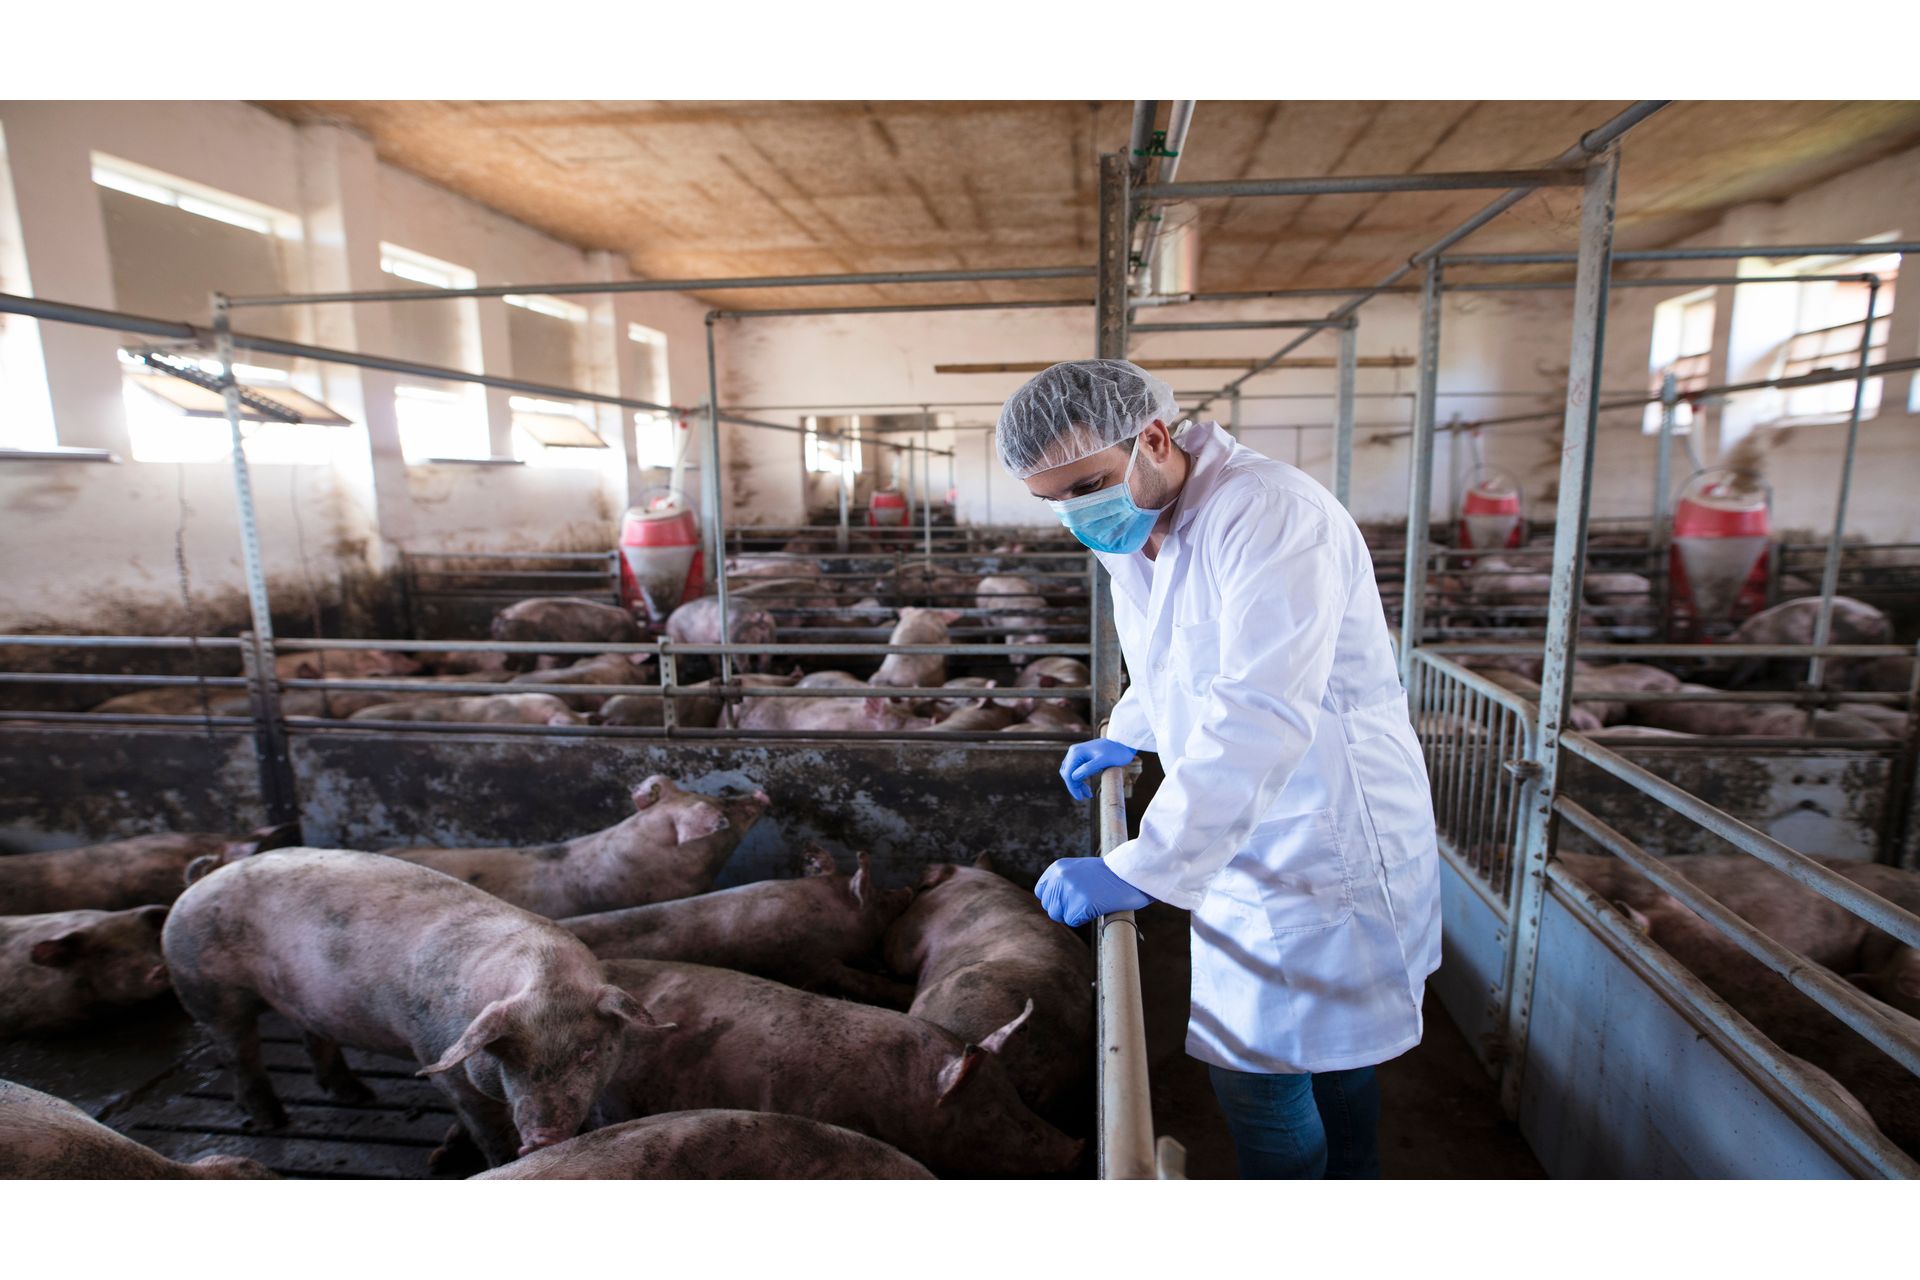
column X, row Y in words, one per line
column 714, row 189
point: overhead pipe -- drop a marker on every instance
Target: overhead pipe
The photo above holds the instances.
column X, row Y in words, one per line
column 1178, row 121
column 1696, row 253
column 1336, row 185
column 1140, row 137
column 1590, row 145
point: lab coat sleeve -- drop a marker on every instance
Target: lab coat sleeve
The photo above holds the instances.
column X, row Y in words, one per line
column 1128, row 724
column 1283, row 587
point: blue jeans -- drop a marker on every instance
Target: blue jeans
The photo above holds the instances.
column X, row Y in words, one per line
column 1324, row 1125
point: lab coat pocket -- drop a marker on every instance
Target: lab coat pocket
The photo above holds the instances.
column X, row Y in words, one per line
column 1195, row 653
column 1391, row 777
column 1297, row 865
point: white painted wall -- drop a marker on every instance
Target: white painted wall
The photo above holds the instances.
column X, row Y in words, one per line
column 89, row 543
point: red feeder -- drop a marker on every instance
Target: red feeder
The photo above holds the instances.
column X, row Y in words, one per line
column 1490, row 514
column 1717, row 557
column 660, row 560
column 887, row 509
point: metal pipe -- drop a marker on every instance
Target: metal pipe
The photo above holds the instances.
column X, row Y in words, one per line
column 256, row 655
column 1203, row 326
column 1642, row 282
column 1693, row 254
column 1589, row 145
column 1342, row 417
column 661, row 689
column 314, row 726
column 1663, row 464
column 715, row 501
column 1830, row 572
column 1420, row 474
column 1126, row 1112
column 926, row 483
column 1179, row 117
column 1796, row 866
column 1597, row 204
column 563, row 288
column 1140, row 137
column 1862, row 1142
column 1878, row 1024
column 1333, row 185
column 904, row 308
column 122, row 322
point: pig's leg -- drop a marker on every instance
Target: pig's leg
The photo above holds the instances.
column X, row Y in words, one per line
column 456, row 1156
column 331, row 1073
column 487, row 1122
column 868, row 988
column 231, row 1018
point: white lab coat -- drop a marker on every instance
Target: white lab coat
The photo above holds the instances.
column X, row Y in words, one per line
column 1295, row 821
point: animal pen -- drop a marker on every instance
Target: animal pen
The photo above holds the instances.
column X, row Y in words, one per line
column 1538, row 969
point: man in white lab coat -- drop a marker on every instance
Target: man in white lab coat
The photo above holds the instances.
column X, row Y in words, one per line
column 1295, row 821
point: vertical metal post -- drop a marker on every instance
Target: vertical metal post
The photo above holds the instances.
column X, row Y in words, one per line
column 840, row 536
column 1233, row 414
column 926, row 481
column 669, row 677
column 1420, row 473
column 906, row 490
column 1563, row 603
column 1830, row 572
column 1110, row 343
column 1662, row 495
column 1343, row 416
column 715, row 504
column 277, row 790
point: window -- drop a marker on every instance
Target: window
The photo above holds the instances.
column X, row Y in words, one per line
column 134, row 180
column 171, row 419
column 647, row 354
column 1831, row 318
column 831, row 454
column 420, row 269
column 659, row 440
column 446, row 421
column 555, row 433
column 544, row 335
column 1682, row 346
column 446, row 334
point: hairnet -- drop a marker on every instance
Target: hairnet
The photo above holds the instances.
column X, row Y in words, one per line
column 1076, row 409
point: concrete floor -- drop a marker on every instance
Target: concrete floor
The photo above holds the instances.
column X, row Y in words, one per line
column 1440, row 1113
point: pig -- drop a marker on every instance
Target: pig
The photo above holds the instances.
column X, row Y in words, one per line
column 42, row 1136
column 916, row 670
column 1784, row 1015
column 716, row 1144
column 1056, row 673
column 1007, row 594
column 564, row 619
column 829, row 715
column 507, row 1013
column 1035, row 714
column 965, row 698
column 338, row 704
column 343, row 664
column 807, row 602
column 924, row 584
column 485, row 708
column 698, row 622
column 121, row 873
column 1498, row 582
column 606, row 668
column 1854, row 622
column 1721, row 719
column 985, row 717
column 1617, row 589
column 672, row 847
column 979, row 947
column 170, row 700
column 65, row 968
column 744, row 1042
column 1636, row 733
column 809, row 933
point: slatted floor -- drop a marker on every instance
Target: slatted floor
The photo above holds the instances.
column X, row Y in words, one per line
column 159, row 1082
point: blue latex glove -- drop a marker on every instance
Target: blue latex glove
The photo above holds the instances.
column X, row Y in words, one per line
column 1075, row 890
column 1085, row 760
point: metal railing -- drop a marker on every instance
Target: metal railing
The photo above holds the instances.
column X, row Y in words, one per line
column 1480, row 741
column 511, row 575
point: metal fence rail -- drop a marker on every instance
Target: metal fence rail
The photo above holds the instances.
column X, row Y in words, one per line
column 1480, row 741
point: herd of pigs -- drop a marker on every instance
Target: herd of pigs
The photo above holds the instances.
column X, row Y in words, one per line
column 816, row 1027
column 1854, row 623
column 758, row 587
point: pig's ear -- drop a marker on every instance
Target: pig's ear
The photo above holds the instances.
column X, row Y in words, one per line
column 648, row 793
column 997, row 1042
column 877, row 708
column 958, row 1071
column 984, row 862
column 308, row 669
column 1046, row 681
column 937, row 874
column 617, row 1002
column 697, row 821
column 816, row 861
column 154, row 917
column 1635, row 917
column 58, row 953
column 494, row 1023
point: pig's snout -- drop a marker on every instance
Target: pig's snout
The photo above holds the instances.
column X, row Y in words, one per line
column 534, row 1139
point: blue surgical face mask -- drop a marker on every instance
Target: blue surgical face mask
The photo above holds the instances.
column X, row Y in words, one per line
column 1109, row 519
